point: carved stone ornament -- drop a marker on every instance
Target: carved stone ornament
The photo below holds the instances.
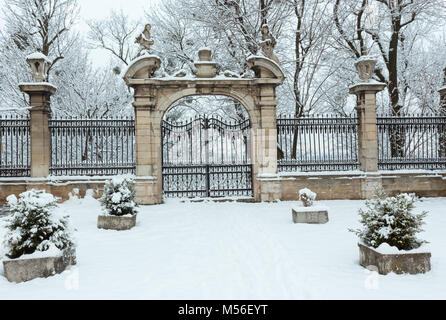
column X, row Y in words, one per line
column 366, row 68
column 39, row 64
column 268, row 44
column 144, row 39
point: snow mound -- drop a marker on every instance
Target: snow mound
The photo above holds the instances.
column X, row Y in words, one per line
column 38, row 55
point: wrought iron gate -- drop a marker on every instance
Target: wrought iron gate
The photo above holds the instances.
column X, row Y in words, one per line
column 207, row 157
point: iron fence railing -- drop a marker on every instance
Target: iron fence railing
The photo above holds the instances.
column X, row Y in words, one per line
column 82, row 147
column 411, row 142
column 88, row 147
column 317, row 143
column 15, row 157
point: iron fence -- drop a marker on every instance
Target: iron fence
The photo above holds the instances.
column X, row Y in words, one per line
column 14, row 146
column 411, row 142
column 207, row 157
column 89, row 147
column 206, row 140
column 219, row 151
column 317, row 143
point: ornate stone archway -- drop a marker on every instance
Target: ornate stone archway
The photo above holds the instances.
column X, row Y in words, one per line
column 154, row 95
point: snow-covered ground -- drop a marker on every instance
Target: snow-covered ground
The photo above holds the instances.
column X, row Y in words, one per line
column 230, row 251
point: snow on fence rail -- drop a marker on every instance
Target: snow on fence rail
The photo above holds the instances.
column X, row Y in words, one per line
column 14, row 146
column 412, row 142
column 86, row 147
column 317, row 143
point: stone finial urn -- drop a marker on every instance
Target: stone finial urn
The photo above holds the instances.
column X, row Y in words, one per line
column 205, row 67
column 205, row 54
column 39, row 64
column 366, row 68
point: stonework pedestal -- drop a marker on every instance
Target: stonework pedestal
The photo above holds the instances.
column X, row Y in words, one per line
column 367, row 133
column 39, row 101
column 311, row 215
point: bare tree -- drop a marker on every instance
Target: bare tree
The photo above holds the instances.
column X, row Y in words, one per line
column 33, row 25
column 116, row 34
column 389, row 37
column 41, row 25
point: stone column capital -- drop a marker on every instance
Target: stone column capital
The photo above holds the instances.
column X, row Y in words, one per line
column 45, row 109
column 39, row 95
column 362, row 88
column 268, row 105
column 143, row 105
column 366, row 95
column 38, row 88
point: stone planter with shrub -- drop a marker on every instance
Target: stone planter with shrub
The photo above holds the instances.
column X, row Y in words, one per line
column 412, row 262
column 38, row 242
column 388, row 240
column 119, row 207
column 39, row 266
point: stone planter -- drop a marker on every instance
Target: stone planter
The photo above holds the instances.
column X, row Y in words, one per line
column 310, row 215
column 116, row 223
column 22, row 269
column 412, row 263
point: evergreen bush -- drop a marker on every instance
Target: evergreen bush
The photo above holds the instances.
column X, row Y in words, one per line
column 33, row 226
column 119, row 197
column 391, row 220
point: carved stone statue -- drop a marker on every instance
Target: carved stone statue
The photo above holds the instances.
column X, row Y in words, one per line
column 144, row 39
column 268, row 44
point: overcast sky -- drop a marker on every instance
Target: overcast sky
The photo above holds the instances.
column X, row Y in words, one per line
column 99, row 9
column 91, row 9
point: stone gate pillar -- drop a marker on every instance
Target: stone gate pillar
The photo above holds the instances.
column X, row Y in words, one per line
column 268, row 76
column 366, row 108
column 39, row 93
column 147, row 136
column 267, row 135
column 144, row 139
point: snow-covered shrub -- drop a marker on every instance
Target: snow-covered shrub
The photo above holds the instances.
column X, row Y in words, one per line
column 119, row 197
column 391, row 220
column 307, row 197
column 33, row 226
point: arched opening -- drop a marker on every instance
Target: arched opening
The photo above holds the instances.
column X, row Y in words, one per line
column 206, row 148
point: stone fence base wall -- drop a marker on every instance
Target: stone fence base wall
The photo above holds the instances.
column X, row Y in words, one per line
column 351, row 186
column 333, row 186
column 62, row 188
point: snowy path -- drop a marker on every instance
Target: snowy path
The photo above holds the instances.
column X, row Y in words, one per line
column 229, row 251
